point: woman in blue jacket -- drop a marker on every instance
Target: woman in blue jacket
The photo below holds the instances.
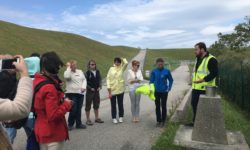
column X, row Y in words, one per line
column 162, row 79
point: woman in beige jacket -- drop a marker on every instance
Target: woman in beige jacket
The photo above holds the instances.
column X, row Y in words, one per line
column 20, row 106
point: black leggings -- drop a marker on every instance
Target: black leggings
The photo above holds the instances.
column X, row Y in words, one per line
column 161, row 106
column 119, row 99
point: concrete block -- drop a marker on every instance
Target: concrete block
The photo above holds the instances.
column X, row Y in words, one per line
column 183, row 138
column 181, row 112
column 209, row 124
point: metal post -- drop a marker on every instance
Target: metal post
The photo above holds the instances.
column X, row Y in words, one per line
column 242, row 87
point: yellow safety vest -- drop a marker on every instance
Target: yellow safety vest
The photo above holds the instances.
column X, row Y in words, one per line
column 201, row 73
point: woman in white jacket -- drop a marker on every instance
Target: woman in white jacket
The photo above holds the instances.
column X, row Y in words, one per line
column 134, row 79
column 75, row 87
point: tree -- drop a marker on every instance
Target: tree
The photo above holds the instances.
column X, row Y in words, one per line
column 238, row 40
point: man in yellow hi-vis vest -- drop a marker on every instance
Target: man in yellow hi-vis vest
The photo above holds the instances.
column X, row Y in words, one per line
column 204, row 74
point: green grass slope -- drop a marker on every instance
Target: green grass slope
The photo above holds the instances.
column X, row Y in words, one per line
column 171, row 56
column 15, row 39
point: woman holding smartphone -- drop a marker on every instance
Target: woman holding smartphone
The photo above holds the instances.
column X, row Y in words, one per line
column 50, row 106
column 134, row 79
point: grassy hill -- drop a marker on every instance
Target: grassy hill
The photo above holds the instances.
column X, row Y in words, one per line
column 171, row 56
column 15, row 39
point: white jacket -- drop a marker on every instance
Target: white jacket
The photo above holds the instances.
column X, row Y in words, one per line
column 75, row 81
column 134, row 76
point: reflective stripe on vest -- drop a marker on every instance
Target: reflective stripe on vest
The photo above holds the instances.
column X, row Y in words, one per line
column 201, row 73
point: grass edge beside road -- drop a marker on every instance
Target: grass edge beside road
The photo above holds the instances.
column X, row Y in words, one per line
column 235, row 120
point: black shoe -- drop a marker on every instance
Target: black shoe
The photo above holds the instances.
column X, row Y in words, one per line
column 70, row 128
column 158, row 124
column 82, row 126
column 190, row 124
column 162, row 125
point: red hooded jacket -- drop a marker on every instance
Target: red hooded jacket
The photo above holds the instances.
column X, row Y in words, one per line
column 50, row 125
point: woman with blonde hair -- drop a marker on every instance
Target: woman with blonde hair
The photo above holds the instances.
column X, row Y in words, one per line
column 134, row 79
column 75, row 87
column 94, row 85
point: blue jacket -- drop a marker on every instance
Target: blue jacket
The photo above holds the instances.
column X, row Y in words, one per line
column 162, row 80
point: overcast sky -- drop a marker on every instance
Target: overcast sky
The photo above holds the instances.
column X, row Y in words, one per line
column 137, row 23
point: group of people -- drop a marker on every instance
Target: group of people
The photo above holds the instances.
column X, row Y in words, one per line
column 45, row 112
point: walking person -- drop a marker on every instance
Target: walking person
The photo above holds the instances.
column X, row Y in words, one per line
column 116, row 87
column 204, row 74
column 134, row 79
column 162, row 79
column 75, row 87
column 94, row 85
column 50, row 106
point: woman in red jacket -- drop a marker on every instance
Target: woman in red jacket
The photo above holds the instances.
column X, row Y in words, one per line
column 50, row 106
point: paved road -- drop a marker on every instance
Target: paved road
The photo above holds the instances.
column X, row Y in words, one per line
column 127, row 135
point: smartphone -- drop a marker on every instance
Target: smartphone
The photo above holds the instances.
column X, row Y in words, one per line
column 7, row 64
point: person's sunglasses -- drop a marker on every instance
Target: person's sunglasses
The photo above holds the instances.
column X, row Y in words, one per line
column 137, row 65
column 92, row 64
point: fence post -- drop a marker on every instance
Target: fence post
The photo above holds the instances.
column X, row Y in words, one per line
column 242, row 86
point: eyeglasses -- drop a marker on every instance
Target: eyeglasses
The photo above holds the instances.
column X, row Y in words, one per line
column 92, row 64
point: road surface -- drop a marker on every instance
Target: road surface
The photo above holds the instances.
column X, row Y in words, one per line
column 127, row 135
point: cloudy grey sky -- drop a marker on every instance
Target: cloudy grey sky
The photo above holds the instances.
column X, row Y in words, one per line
column 138, row 23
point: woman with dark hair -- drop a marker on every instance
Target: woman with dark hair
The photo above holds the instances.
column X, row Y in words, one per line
column 94, row 85
column 162, row 79
column 50, row 106
column 15, row 100
column 13, row 105
column 116, row 87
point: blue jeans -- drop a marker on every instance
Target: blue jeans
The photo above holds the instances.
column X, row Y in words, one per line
column 76, row 110
column 28, row 127
column 11, row 132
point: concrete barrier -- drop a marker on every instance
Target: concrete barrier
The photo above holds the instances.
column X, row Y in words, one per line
column 209, row 126
column 181, row 112
column 209, row 131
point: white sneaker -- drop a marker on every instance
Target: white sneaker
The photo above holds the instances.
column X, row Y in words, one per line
column 121, row 120
column 115, row 121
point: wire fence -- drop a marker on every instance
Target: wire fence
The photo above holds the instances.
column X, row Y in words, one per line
column 234, row 80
